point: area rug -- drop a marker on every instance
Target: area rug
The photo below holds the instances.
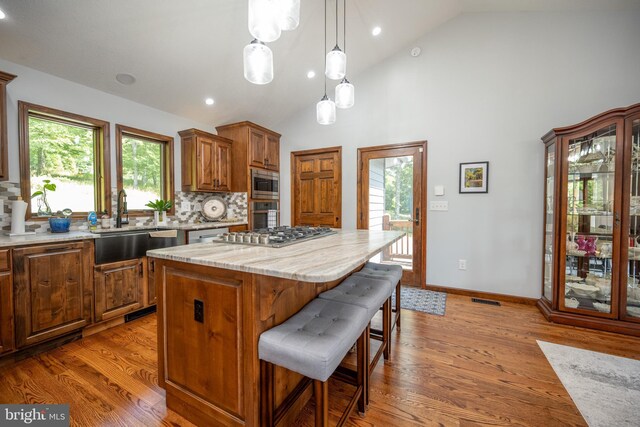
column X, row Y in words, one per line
column 422, row 300
column 605, row 388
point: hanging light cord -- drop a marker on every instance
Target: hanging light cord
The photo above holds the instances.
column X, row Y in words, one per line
column 325, row 46
column 344, row 25
column 337, row 1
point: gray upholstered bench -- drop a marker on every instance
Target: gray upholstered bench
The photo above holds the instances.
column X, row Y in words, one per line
column 313, row 342
column 393, row 274
column 370, row 294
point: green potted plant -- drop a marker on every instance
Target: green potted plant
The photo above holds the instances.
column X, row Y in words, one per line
column 159, row 207
column 43, row 204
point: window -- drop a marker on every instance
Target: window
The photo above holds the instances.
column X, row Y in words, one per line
column 144, row 167
column 69, row 151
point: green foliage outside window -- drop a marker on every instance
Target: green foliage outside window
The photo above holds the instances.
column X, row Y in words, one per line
column 142, row 171
column 398, row 194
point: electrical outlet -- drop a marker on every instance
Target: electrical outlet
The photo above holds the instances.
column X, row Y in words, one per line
column 439, row 206
column 185, row 206
column 462, row 264
column 198, row 311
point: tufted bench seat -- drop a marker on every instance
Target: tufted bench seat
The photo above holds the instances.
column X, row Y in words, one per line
column 370, row 294
column 393, row 274
column 313, row 342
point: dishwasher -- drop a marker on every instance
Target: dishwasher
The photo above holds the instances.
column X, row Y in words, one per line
column 205, row 236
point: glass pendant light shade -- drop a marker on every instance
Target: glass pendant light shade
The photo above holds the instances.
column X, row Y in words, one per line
column 326, row 111
column 345, row 94
column 336, row 67
column 264, row 19
column 258, row 63
column 289, row 14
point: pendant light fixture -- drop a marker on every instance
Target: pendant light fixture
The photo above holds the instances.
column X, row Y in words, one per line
column 264, row 19
column 289, row 14
column 258, row 63
column 326, row 108
column 336, row 64
column 345, row 92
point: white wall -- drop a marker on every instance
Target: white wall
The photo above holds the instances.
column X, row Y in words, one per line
column 44, row 89
column 486, row 87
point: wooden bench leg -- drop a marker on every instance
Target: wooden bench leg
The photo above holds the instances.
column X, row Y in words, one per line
column 321, row 395
column 363, row 370
column 267, row 385
column 386, row 328
column 398, row 302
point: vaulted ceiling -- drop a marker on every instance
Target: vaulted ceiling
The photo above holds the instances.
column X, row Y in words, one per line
column 182, row 51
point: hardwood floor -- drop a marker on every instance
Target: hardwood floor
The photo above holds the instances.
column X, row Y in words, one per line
column 478, row 364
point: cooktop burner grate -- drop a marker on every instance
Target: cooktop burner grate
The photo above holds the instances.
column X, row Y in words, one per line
column 276, row 237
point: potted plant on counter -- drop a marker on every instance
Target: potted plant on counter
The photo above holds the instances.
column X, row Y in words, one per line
column 160, row 207
column 43, row 204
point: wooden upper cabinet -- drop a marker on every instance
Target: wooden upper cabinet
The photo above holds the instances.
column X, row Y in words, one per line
column 257, row 146
column 206, row 161
column 119, row 288
column 52, row 290
column 253, row 146
column 7, row 341
column 5, row 78
column 272, row 155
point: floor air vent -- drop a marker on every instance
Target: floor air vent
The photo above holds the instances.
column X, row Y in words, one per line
column 140, row 313
column 485, row 301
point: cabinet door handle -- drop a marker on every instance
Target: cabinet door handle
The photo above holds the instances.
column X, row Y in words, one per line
column 152, row 266
column 141, row 270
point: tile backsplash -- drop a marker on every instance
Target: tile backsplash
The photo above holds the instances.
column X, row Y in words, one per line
column 237, row 205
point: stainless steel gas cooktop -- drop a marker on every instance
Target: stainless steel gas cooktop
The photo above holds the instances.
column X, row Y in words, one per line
column 277, row 237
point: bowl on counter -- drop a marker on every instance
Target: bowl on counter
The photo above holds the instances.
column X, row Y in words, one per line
column 59, row 225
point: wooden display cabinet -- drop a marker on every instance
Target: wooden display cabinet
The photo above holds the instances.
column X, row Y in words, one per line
column 206, row 161
column 591, row 259
column 53, row 290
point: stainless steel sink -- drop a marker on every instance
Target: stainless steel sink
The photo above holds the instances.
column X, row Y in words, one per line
column 116, row 246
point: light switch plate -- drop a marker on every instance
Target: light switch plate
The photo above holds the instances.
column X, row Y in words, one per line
column 439, row 206
column 197, row 207
column 185, row 206
column 438, row 190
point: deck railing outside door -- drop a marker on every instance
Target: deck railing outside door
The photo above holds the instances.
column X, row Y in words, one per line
column 400, row 252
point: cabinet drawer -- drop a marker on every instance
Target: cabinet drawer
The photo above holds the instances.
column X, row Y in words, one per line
column 5, row 260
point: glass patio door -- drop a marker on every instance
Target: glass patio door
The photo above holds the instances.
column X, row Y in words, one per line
column 391, row 199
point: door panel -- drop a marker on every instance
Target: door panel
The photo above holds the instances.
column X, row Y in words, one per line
column 205, row 169
column 392, row 196
column 222, row 165
column 317, row 187
column 256, row 148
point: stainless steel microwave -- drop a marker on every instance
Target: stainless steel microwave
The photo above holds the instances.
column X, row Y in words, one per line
column 265, row 184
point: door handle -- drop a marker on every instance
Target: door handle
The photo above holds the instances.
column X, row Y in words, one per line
column 417, row 218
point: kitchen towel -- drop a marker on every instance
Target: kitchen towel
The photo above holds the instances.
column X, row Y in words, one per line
column 18, row 210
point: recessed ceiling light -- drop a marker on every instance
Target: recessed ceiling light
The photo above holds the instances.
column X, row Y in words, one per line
column 311, row 74
column 2, row 15
column 376, row 31
column 209, row 101
column 125, row 78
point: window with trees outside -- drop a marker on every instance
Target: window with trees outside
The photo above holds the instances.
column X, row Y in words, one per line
column 64, row 154
column 145, row 167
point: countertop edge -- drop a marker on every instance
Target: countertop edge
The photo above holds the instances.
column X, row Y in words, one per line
column 318, row 278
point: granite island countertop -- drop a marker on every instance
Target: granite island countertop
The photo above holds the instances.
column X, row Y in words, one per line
column 319, row 260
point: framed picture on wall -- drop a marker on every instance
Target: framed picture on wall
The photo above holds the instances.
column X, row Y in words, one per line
column 474, row 177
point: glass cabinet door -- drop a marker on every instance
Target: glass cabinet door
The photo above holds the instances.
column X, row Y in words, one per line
column 631, row 307
column 550, row 167
column 586, row 282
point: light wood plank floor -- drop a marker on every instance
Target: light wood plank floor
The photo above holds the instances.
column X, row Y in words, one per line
column 478, row 364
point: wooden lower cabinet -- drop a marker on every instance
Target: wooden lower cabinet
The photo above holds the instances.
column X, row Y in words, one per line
column 119, row 288
column 152, row 296
column 52, row 290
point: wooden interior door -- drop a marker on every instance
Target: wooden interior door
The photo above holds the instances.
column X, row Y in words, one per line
column 316, row 181
column 380, row 170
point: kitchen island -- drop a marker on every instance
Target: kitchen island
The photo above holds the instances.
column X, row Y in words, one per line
column 214, row 301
